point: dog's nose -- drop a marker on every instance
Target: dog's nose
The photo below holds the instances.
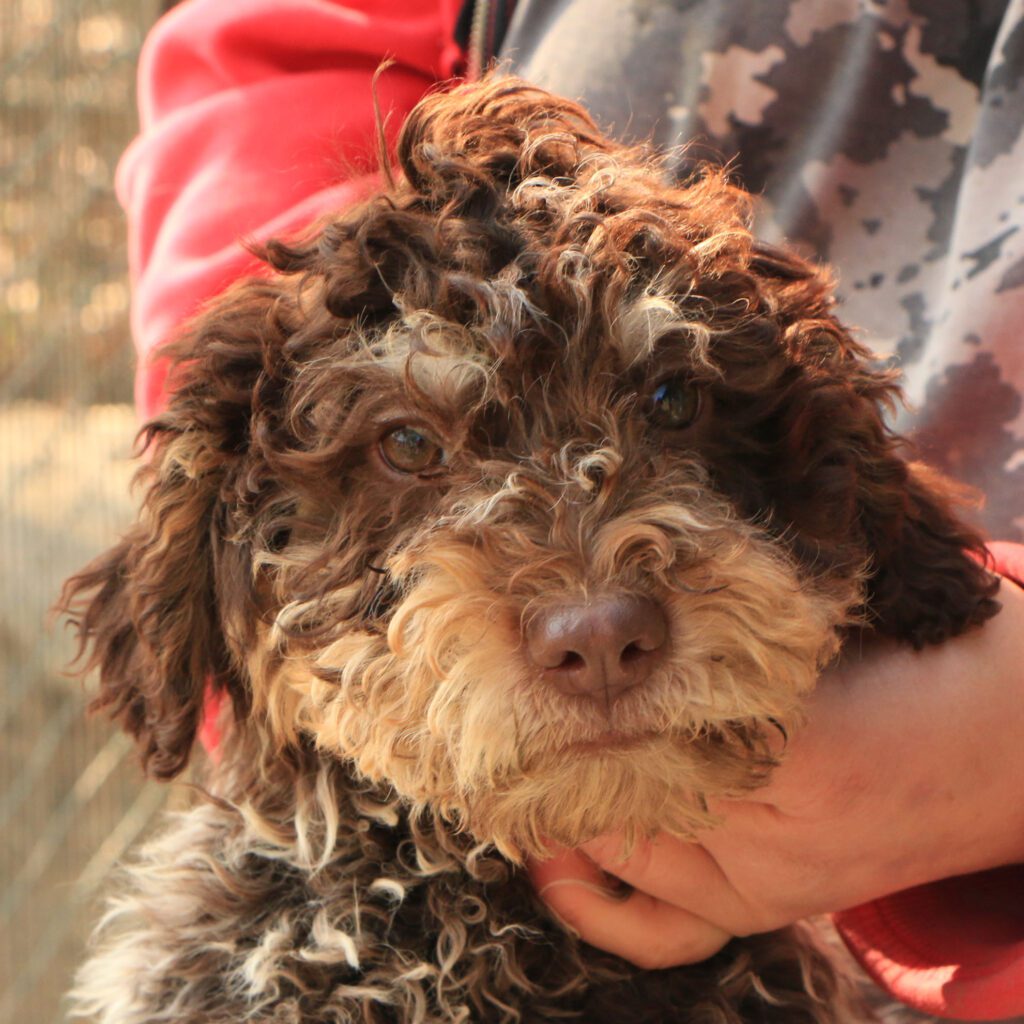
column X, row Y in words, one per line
column 599, row 649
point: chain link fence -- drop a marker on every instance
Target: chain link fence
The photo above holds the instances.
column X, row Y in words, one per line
column 71, row 796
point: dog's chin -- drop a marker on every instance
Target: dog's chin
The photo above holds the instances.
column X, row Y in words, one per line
column 610, row 742
column 635, row 783
column 516, row 767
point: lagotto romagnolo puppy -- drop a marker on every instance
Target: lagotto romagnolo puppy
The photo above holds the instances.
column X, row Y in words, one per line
column 523, row 502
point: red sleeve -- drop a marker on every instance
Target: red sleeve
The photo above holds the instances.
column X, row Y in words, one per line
column 256, row 120
column 954, row 948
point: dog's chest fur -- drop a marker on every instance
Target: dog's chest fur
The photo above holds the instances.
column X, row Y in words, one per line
column 366, row 917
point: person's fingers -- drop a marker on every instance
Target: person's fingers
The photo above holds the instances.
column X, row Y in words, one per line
column 569, row 866
column 681, row 874
column 639, row 928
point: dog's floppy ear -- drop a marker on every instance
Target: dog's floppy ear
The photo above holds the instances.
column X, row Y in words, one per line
column 929, row 577
column 151, row 611
column 145, row 610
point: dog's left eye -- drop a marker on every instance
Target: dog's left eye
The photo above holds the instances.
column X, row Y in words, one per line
column 410, row 451
column 675, row 403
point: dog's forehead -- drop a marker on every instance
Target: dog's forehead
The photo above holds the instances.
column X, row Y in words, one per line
column 521, row 352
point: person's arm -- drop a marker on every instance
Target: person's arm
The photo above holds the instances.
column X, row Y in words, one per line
column 257, row 119
column 910, row 769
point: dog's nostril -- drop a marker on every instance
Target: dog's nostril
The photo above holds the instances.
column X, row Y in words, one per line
column 632, row 653
column 571, row 661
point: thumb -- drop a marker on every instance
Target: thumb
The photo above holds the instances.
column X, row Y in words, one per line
column 640, row 928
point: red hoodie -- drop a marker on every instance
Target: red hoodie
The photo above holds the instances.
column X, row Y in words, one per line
column 256, row 120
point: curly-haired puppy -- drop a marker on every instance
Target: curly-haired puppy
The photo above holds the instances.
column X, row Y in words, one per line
column 524, row 502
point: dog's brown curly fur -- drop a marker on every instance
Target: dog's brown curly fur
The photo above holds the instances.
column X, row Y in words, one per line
column 517, row 298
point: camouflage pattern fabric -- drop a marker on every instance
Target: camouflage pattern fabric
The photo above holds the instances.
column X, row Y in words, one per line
column 886, row 138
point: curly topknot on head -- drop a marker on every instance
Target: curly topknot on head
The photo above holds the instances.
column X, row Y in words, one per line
column 504, row 173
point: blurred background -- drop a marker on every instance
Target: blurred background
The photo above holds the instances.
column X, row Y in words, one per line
column 71, row 795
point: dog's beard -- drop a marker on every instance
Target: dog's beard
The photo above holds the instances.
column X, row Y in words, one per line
column 449, row 710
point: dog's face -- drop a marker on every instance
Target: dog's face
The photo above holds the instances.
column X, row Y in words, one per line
column 535, row 488
column 533, row 602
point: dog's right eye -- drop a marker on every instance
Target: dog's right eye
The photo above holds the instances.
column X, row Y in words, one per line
column 410, row 451
column 674, row 404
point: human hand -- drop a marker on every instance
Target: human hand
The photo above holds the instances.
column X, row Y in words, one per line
column 909, row 769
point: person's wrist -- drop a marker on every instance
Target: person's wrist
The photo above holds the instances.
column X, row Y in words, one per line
column 967, row 761
column 999, row 747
